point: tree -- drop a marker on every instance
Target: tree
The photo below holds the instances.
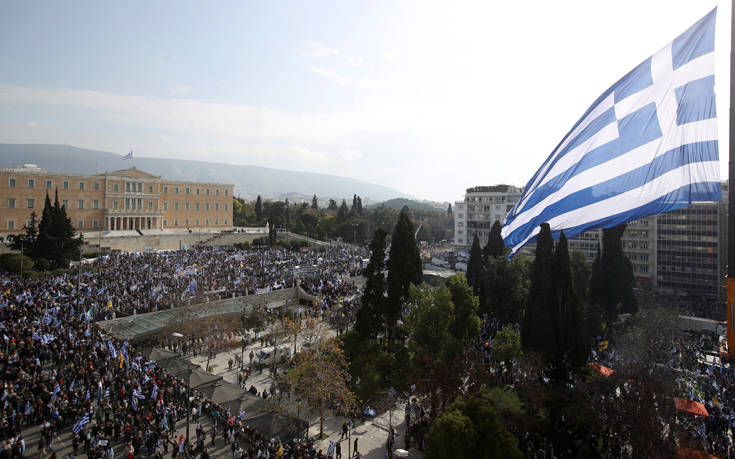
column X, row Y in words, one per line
column 507, row 346
column 538, row 331
column 495, row 246
column 568, row 318
column 466, row 323
column 372, row 306
column 504, row 287
column 359, row 205
column 343, row 212
column 474, row 265
column 320, row 378
column 471, row 427
column 404, row 269
column 292, row 327
column 314, row 203
column 332, row 204
column 258, row 208
column 612, row 279
column 580, row 275
column 28, row 239
column 449, row 211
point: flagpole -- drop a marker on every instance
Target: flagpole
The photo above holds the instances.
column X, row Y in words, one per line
column 730, row 310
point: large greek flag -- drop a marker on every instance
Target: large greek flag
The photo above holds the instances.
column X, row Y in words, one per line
column 647, row 145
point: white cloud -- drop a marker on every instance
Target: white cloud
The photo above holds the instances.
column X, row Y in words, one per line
column 179, row 90
column 350, row 155
column 355, row 61
column 314, row 50
column 340, row 80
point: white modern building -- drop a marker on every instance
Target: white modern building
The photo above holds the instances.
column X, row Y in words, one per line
column 481, row 207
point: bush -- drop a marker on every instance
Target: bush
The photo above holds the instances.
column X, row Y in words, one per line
column 90, row 254
column 243, row 245
column 12, row 262
column 260, row 242
column 42, row 264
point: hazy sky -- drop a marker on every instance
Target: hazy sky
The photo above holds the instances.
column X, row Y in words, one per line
column 426, row 97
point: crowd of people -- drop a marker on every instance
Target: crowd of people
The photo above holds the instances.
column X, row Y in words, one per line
column 60, row 372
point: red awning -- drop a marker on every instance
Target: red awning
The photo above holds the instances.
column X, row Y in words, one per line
column 604, row 371
column 690, row 406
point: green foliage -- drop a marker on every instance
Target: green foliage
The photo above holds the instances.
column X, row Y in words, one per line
column 370, row 316
column 471, row 427
column 12, row 262
column 474, row 265
column 504, row 286
column 495, row 246
column 27, row 240
column 373, row 369
column 507, row 345
column 612, row 282
column 56, row 241
column 570, row 335
column 258, row 209
column 343, row 211
column 466, row 323
column 314, row 203
column 404, row 269
column 246, row 245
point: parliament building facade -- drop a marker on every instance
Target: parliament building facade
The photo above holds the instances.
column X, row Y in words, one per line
column 124, row 200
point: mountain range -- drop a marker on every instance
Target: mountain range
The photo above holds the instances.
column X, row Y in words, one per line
column 249, row 181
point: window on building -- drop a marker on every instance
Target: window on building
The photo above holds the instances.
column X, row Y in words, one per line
column 197, row 206
column 11, row 224
column 80, row 204
column 81, row 186
column 65, row 203
column 216, row 206
column 95, row 224
column 460, row 215
column 216, row 192
column 31, row 183
column 225, row 206
column 186, row 222
column 30, row 203
column 206, row 222
column 176, row 205
column 127, row 187
column 114, row 205
column 207, row 206
column 115, row 188
column 207, row 191
column 49, row 184
column 186, row 206
column 96, row 186
column 187, row 190
column 216, row 221
column 176, row 222
column 165, row 205
column 80, row 224
column 66, row 184
column 165, row 223
column 11, row 203
column 226, row 192
column 165, row 189
column 225, row 218
column 150, row 205
column 196, row 222
column 176, row 190
column 150, row 188
column 11, row 182
column 198, row 190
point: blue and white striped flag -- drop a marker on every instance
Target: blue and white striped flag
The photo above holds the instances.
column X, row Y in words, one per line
column 107, row 393
column 330, row 449
column 135, row 403
column 83, row 421
column 138, row 394
column 648, row 145
column 154, row 391
column 111, row 348
column 57, row 389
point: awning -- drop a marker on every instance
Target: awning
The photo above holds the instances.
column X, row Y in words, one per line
column 690, row 406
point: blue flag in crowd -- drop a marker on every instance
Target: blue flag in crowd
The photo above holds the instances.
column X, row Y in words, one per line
column 647, row 145
column 154, row 391
column 113, row 352
column 83, row 421
column 57, row 389
column 135, row 403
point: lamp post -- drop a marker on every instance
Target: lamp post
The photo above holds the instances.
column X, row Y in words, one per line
column 242, row 354
column 188, row 389
column 79, row 272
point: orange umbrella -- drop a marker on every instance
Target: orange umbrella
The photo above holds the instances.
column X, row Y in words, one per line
column 690, row 406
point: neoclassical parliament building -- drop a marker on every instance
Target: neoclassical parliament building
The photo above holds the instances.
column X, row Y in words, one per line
column 124, row 200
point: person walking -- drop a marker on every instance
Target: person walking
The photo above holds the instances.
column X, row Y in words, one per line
column 344, row 431
column 355, row 454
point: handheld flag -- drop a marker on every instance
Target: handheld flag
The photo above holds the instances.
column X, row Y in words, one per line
column 647, row 145
column 83, row 421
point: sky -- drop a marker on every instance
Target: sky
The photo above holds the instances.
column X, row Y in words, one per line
column 428, row 97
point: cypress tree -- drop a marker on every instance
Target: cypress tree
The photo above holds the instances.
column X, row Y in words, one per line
column 343, row 212
column 567, row 319
column 359, row 205
column 495, row 246
column 258, row 208
column 28, row 239
column 474, row 265
column 404, row 269
column 612, row 280
column 537, row 330
column 372, row 307
column 449, row 211
column 314, row 203
column 43, row 246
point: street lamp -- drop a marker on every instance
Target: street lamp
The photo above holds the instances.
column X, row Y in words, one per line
column 188, row 389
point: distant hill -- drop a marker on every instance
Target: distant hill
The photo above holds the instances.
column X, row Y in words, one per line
column 249, row 181
column 399, row 203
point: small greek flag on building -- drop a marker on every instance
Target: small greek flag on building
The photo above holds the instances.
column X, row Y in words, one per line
column 83, row 421
column 129, row 155
column 647, row 145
